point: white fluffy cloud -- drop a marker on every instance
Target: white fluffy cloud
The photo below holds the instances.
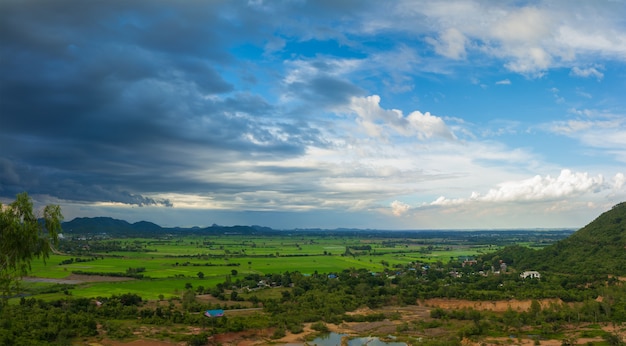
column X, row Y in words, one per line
column 378, row 122
column 567, row 185
column 399, row 208
column 619, row 181
column 545, row 188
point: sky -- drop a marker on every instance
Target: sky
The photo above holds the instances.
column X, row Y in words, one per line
column 304, row 114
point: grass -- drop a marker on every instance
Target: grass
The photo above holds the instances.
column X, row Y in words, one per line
column 170, row 264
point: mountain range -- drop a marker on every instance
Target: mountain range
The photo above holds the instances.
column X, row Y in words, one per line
column 115, row 227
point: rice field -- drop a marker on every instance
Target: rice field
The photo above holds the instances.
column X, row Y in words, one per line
column 168, row 265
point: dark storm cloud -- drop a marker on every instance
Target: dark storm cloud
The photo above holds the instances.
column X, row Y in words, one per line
column 106, row 101
column 16, row 177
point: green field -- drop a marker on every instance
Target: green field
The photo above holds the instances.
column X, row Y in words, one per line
column 170, row 264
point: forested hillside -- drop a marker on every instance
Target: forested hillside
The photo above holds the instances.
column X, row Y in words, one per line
column 108, row 225
column 598, row 248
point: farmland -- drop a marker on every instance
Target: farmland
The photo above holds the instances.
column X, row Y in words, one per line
column 169, row 262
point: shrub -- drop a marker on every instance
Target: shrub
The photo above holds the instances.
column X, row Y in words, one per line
column 320, row 327
column 278, row 333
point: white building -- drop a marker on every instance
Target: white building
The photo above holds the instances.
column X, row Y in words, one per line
column 530, row 274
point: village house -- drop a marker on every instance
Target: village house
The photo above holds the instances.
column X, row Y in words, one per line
column 530, row 274
column 469, row 262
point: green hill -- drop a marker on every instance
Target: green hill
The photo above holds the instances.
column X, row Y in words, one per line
column 598, row 248
column 96, row 225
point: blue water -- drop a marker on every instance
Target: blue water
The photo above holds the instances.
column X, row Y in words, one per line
column 334, row 339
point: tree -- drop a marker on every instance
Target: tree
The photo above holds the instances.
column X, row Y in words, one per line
column 189, row 298
column 23, row 237
column 613, row 339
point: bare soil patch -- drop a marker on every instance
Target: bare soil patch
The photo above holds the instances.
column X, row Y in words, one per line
column 617, row 329
column 208, row 298
column 75, row 279
column 245, row 338
column 495, row 305
column 138, row 342
column 51, row 281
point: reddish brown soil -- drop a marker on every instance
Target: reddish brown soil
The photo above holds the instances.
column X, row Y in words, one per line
column 496, row 305
column 74, row 279
column 140, row 342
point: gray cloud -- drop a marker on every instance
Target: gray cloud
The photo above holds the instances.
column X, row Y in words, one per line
column 109, row 102
column 325, row 90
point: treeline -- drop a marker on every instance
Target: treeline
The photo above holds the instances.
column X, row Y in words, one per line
column 207, row 264
column 135, row 273
column 78, row 260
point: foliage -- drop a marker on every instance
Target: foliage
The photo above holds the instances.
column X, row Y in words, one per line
column 613, row 339
column 198, row 339
column 597, row 248
column 320, row 327
column 56, row 323
column 23, row 237
column 126, row 274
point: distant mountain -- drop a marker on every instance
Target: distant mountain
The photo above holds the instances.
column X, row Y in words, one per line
column 95, row 225
column 110, row 226
column 598, row 248
column 85, row 226
column 146, row 226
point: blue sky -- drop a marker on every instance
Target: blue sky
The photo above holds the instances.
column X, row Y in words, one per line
column 297, row 114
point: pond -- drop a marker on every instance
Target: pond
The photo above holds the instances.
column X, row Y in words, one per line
column 334, row 339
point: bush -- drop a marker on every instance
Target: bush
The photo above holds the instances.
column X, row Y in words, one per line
column 296, row 328
column 401, row 328
column 278, row 333
column 320, row 327
column 198, row 339
column 117, row 330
